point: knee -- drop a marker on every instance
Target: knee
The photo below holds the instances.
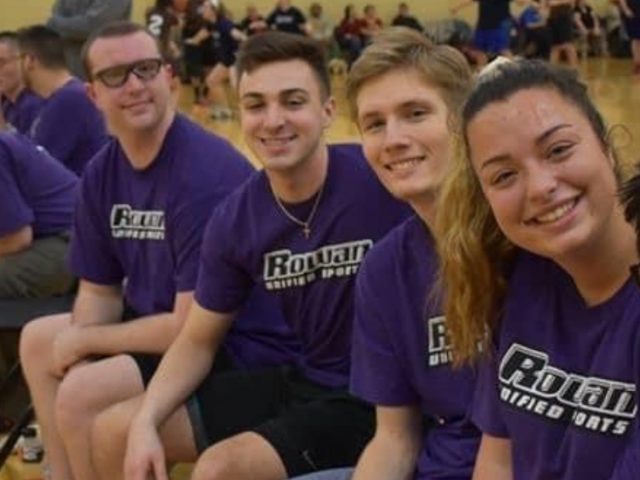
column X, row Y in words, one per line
column 36, row 340
column 216, row 463
column 75, row 399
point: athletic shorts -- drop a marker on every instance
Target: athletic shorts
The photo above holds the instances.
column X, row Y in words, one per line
column 561, row 27
column 495, row 40
column 312, row 427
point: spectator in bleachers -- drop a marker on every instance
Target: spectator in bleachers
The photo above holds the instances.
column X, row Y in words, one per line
column 74, row 20
column 69, row 126
column 349, row 33
column 287, row 18
column 371, row 23
column 405, row 19
column 320, row 26
column 589, row 28
column 253, row 22
column 19, row 105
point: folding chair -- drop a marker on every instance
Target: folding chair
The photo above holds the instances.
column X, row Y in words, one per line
column 14, row 314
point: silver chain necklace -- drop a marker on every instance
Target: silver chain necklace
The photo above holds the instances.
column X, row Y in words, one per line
column 305, row 224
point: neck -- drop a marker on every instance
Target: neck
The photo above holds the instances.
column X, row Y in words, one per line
column 13, row 94
column 51, row 81
column 302, row 182
column 426, row 207
column 142, row 148
column 610, row 256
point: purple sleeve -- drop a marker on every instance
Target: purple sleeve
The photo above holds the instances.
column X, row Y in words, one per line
column 223, row 286
column 91, row 254
column 14, row 212
column 55, row 131
column 486, row 412
column 377, row 375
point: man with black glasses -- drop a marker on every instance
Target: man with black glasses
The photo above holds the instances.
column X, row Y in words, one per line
column 143, row 205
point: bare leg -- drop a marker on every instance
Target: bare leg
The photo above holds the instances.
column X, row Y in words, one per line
column 109, row 438
column 246, row 456
column 36, row 354
column 84, row 393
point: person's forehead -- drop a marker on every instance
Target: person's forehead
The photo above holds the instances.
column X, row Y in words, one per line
column 281, row 76
column 109, row 52
column 7, row 48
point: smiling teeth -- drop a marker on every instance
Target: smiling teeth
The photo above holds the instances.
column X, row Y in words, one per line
column 403, row 165
column 556, row 214
column 275, row 141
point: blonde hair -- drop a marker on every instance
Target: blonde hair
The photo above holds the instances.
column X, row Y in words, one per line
column 399, row 47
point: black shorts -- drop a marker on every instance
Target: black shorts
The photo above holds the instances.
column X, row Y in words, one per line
column 312, row 427
column 561, row 27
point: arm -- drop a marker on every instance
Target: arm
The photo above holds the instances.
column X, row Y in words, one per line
column 494, row 459
column 393, row 452
column 624, row 6
column 578, row 21
column 183, row 367
column 238, row 35
column 80, row 25
column 17, row 241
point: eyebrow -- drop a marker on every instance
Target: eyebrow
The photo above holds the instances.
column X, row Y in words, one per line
column 538, row 141
column 282, row 93
column 402, row 106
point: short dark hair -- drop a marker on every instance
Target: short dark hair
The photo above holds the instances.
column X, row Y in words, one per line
column 274, row 46
column 44, row 44
column 113, row 30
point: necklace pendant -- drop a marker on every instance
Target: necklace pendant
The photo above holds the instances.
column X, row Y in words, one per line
column 306, row 231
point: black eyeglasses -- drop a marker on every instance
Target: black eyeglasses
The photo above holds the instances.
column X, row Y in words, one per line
column 145, row 70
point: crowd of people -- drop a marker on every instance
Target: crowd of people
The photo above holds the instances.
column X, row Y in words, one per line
column 455, row 296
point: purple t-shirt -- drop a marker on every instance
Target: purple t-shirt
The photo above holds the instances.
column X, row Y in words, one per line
column 34, row 189
column 311, row 278
column 21, row 113
column 146, row 227
column 401, row 354
column 70, row 127
column 562, row 385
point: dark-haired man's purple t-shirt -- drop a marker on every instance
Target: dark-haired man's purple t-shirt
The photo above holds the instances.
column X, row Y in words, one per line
column 35, row 189
column 70, row 127
column 146, row 226
column 22, row 113
column 563, row 384
column 311, row 278
column 401, row 354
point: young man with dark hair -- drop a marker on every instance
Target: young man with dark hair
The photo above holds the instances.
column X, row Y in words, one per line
column 143, row 205
column 19, row 105
column 69, row 126
column 306, row 220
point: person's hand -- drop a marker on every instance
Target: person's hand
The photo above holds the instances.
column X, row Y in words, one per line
column 144, row 459
column 67, row 349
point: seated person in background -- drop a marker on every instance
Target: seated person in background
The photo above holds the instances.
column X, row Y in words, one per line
column 589, row 28
column 536, row 34
column 19, row 105
column 253, row 22
column 142, row 209
column 405, row 19
column 349, row 33
column 69, row 126
column 306, row 220
column 36, row 204
column 371, row 23
column 287, row 18
column 320, row 27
